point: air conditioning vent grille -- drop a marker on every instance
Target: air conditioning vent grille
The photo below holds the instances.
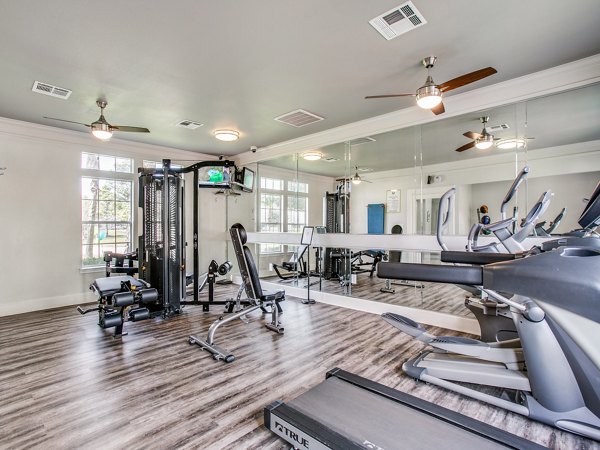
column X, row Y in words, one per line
column 298, row 118
column 189, row 124
column 53, row 91
column 391, row 24
column 495, row 128
column 394, row 17
column 362, row 140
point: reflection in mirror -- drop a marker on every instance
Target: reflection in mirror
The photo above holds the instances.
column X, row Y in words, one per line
column 408, row 171
column 291, row 196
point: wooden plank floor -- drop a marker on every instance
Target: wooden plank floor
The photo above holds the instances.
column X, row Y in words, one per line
column 67, row 384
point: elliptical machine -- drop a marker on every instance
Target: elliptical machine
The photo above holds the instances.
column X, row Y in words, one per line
column 552, row 375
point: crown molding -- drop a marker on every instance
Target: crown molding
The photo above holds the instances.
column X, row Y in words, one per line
column 556, row 79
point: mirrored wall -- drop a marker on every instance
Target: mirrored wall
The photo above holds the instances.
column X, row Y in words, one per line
column 393, row 182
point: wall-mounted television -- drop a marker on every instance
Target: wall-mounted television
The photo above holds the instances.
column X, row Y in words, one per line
column 214, row 176
column 247, row 179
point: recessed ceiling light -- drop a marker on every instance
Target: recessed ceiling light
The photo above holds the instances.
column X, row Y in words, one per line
column 510, row 143
column 227, row 135
column 312, row 155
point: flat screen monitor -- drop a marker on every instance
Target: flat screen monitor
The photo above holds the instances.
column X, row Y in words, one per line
column 214, row 176
column 247, row 179
column 590, row 217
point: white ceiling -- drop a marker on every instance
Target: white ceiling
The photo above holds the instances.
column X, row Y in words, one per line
column 240, row 64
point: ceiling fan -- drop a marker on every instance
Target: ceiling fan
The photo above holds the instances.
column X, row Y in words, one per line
column 356, row 179
column 101, row 128
column 485, row 140
column 481, row 140
column 429, row 96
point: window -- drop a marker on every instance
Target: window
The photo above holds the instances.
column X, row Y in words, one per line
column 297, row 208
column 270, row 219
column 106, row 163
column 271, row 184
column 282, row 210
column 298, row 187
column 106, row 207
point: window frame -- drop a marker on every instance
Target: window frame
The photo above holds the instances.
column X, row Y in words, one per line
column 290, row 188
column 112, row 176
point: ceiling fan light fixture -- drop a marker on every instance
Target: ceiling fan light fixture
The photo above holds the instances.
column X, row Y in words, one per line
column 356, row 179
column 312, row 155
column 101, row 131
column 227, row 135
column 484, row 142
column 429, row 96
column 505, row 144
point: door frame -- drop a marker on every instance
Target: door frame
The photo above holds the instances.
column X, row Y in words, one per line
column 426, row 193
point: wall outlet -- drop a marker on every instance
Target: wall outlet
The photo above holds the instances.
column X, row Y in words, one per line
column 353, row 278
column 270, row 267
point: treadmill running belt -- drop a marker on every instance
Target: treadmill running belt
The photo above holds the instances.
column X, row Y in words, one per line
column 364, row 417
column 347, row 409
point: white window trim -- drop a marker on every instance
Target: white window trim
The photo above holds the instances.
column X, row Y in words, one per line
column 107, row 175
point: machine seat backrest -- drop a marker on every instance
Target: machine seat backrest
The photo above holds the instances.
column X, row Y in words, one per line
column 246, row 262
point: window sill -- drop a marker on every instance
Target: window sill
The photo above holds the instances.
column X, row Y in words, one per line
column 93, row 269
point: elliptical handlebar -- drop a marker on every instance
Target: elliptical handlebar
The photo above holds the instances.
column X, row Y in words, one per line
column 512, row 190
column 447, row 204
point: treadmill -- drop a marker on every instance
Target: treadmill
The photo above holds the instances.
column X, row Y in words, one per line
column 348, row 412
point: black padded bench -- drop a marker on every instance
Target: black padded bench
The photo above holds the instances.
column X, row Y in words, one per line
column 118, row 295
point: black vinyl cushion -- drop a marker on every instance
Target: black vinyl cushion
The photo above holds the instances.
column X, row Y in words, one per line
column 475, row 257
column 242, row 232
column 252, row 272
column 431, row 272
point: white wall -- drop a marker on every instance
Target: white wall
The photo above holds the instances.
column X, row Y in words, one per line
column 40, row 204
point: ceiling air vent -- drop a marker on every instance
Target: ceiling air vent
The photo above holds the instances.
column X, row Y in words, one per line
column 298, row 118
column 53, row 91
column 329, row 159
column 364, row 169
column 399, row 20
column 189, row 124
column 495, row 128
column 362, row 140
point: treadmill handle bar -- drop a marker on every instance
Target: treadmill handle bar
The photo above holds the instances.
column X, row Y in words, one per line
column 503, row 299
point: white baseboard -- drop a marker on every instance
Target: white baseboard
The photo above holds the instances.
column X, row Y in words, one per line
column 37, row 304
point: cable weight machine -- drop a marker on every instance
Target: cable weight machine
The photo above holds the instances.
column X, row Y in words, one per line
column 162, row 245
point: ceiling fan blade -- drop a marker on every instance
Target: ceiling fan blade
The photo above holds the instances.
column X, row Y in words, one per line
column 472, row 135
column 466, row 147
column 467, row 78
column 391, row 95
column 439, row 109
column 132, row 129
column 69, row 121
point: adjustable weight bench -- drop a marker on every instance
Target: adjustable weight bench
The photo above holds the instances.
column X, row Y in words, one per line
column 257, row 298
column 116, row 299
